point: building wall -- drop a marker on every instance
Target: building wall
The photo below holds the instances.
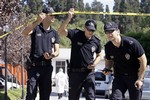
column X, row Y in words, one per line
column 17, row 72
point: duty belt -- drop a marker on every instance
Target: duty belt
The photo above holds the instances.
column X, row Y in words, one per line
column 41, row 63
column 79, row 70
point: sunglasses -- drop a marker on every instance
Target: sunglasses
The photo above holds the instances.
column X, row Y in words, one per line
column 109, row 31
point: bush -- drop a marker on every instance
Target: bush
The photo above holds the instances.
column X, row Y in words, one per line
column 14, row 94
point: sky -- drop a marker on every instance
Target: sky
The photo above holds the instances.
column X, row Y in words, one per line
column 110, row 3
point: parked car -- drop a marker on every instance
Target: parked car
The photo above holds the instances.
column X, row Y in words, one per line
column 103, row 84
column 146, row 85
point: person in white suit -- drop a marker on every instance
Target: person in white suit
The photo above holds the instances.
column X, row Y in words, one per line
column 61, row 83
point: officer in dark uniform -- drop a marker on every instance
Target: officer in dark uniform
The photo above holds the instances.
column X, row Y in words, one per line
column 82, row 63
column 43, row 38
column 127, row 57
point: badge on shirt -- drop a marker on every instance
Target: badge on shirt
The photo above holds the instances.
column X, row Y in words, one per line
column 130, row 42
column 39, row 34
column 79, row 43
column 53, row 39
column 127, row 56
column 112, row 57
column 93, row 48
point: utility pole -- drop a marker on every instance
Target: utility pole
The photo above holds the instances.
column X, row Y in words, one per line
column 5, row 30
column 22, row 71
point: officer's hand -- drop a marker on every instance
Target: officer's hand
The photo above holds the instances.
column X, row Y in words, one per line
column 91, row 66
column 107, row 71
column 47, row 55
column 70, row 13
column 138, row 84
column 41, row 17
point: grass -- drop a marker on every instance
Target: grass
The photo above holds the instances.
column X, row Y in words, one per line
column 14, row 94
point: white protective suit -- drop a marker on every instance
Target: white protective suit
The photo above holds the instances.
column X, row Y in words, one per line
column 61, row 81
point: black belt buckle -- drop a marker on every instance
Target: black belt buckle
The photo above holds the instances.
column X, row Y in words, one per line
column 42, row 63
column 78, row 70
column 126, row 74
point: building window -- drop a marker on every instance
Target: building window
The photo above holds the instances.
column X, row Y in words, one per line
column 60, row 64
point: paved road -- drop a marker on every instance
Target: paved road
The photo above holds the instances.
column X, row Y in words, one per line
column 54, row 96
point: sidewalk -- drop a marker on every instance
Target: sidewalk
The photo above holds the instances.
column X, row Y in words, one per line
column 54, row 96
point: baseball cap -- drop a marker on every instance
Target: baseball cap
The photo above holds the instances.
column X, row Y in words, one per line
column 47, row 10
column 110, row 26
column 91, row 25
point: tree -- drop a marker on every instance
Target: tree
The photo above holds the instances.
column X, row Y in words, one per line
column 88, row 8
column 14, row 18
column 80, row 8
column 35, row 6
column 107, row 18
column 145, row 8
column 127, row 23
column 98, row 7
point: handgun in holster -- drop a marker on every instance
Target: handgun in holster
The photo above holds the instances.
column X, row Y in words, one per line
column 28, row 63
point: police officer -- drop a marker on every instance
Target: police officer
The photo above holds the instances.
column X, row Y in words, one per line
column 127, row 57
column 82, row 63
column 43, row 38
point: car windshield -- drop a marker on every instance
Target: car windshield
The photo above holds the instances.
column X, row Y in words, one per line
column 147, row 74
column 100, row 76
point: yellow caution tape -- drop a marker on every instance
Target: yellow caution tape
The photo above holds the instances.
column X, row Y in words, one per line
column 85, row 12
column 17, row 28
column 104, row 13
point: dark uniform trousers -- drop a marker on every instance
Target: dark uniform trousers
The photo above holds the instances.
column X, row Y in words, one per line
column 79, row 79
column 39, row 76
column 120, row 85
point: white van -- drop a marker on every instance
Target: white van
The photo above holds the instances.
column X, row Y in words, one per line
column 103, row 84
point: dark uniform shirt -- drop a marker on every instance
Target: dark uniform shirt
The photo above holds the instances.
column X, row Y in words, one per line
column 42, row 41
column 126, row 56
column 82, row 49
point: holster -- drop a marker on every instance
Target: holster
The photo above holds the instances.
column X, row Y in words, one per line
column 28, row 63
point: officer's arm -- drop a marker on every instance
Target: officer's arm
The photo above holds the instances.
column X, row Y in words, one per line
column 143, row 65
column 28, row 30
column 63, row 28
column 98, row 58
column 108, row 64
column 56, row 50
column 92, row 65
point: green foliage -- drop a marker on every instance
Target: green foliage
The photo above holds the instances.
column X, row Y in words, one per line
column 33, row 6
column 145, row 6
column 146, row 30
column 14, row 94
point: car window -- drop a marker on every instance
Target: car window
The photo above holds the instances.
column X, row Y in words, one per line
column 100, row 76
column 147, row 74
